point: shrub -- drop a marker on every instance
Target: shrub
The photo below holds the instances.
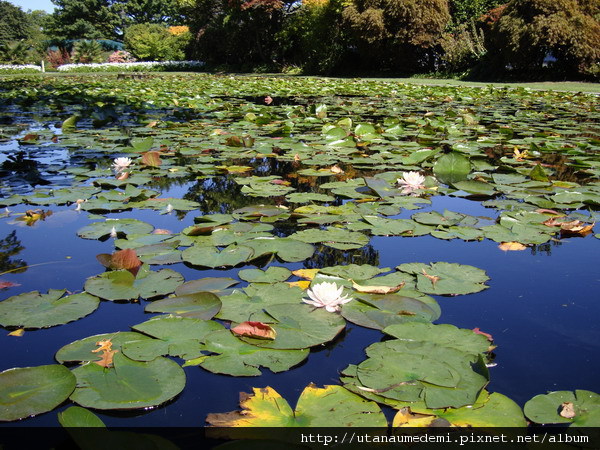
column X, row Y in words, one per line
column 86, row 52
column 152, row 42
column 121, row 56
column 561, row 35
column 15, row 52
column 58, row 57
column 462, row 48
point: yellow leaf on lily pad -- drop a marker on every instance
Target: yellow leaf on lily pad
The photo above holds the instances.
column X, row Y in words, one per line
column 18, row 333
column 307, row 274
column 377, row 289
column 404, row 418
column 511, row 246
column 302, row 284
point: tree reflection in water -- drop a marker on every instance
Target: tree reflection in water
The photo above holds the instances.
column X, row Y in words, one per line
column 11, row 246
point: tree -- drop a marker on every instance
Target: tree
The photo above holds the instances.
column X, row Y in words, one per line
column 14, row 23
column 397, row 34
column 467, row 11
column 153, row 42
column 95, row 19
column 238, row 32
column 559, row 35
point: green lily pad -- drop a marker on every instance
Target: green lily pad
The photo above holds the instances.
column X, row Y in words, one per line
column 35, row 310
column 451, row 168
column 332, row 237
column 122, row 285
column 331, row 405
column 444, row 278
column 199, row 305
column 379, row 311
column 354, row 271
column 208, row 284
column 97, row 230
column 286, row 249
column 27, row 391
column 174, row 336
column 273, row 274
column 78, row 417
column 231, row 255
column 129, row 384
column 232, row 356
column 83, row 349
column 552, row 408
column 300, row 326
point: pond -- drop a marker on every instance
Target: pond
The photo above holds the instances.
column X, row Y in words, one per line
column 188, row 210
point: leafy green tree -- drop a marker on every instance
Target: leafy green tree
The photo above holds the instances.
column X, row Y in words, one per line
column 397, row 34
column 238, row 33
column 153, row 42
column 14, row 23
column 467, row 11
column 94, row 19
column 563, row 35
column 313, row 37
column 86, row 52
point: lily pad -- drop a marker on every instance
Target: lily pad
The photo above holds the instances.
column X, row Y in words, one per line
column 122, row 285
column 333, row 237
column 552, row 408
column 174, row 336
column 27, row 391
column 444, row 278
column 35, row 310
column 300, row 326
column 451, row 168
column 331, row 405
column 78, row 417
column 232, row 356
column 199, row 305
column 286, row 249
column 208, row 284
column 129, row 384
column 231, row 255
column 83, row 349
column 271, row 275
column 97, row 230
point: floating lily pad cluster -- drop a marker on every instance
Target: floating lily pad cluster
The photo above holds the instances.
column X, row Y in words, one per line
column 278, row 187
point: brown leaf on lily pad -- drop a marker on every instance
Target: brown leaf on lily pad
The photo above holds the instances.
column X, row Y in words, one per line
column 567, row 410
column 378, row 289
column 257, row 330
column 121, row 259
column 487, row 335
column 151, row 158
column 161, row 231
column 511, row 246
column 576, row 228
column 548, row 211
column 107, row 353
column 433, row 278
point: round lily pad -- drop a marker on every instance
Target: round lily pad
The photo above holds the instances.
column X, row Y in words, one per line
column 35, row 310
column 444, row 278
column 27, row 391
column 78, row 417
column 129, row 384
column 271, row 275
column 199, row 305
column 83, row 350
column 212, row 257
column 97, row 230
column 579, row 408
column 122, row 285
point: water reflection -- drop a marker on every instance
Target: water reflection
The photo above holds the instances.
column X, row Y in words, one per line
column 9, row 247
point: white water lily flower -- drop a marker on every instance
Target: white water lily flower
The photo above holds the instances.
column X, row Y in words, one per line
column 113, row 232
column 411, row 181
column 169, row 208
column 121, row 164
column 326, row 295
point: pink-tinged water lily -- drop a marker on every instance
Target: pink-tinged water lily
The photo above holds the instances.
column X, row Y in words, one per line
column 121, row 164
column 411, row 181
column 326, row 295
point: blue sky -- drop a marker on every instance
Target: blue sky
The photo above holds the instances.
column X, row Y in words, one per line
column 46, row 5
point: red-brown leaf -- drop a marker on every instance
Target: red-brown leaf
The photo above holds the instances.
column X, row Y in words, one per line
column 257, row 330
column 487, row 335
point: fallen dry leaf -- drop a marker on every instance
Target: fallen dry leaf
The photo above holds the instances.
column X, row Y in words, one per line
column 268, row 100
column 433, row 278
column 548, row 211
column 511, row 246
column 336, row 169
column 257, row 330
column 121, row 259
column 161, row 231
column 123, row 176
column 576, row 228
column 7, row 284
column 20, row 332
column 303, row 284
column 567, row 410
column 307, row 274
column 107, row 353
column 377, row 289
column 296, row 157
column 487, row 335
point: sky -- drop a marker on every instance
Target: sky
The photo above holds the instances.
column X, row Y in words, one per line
column 46, row 5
